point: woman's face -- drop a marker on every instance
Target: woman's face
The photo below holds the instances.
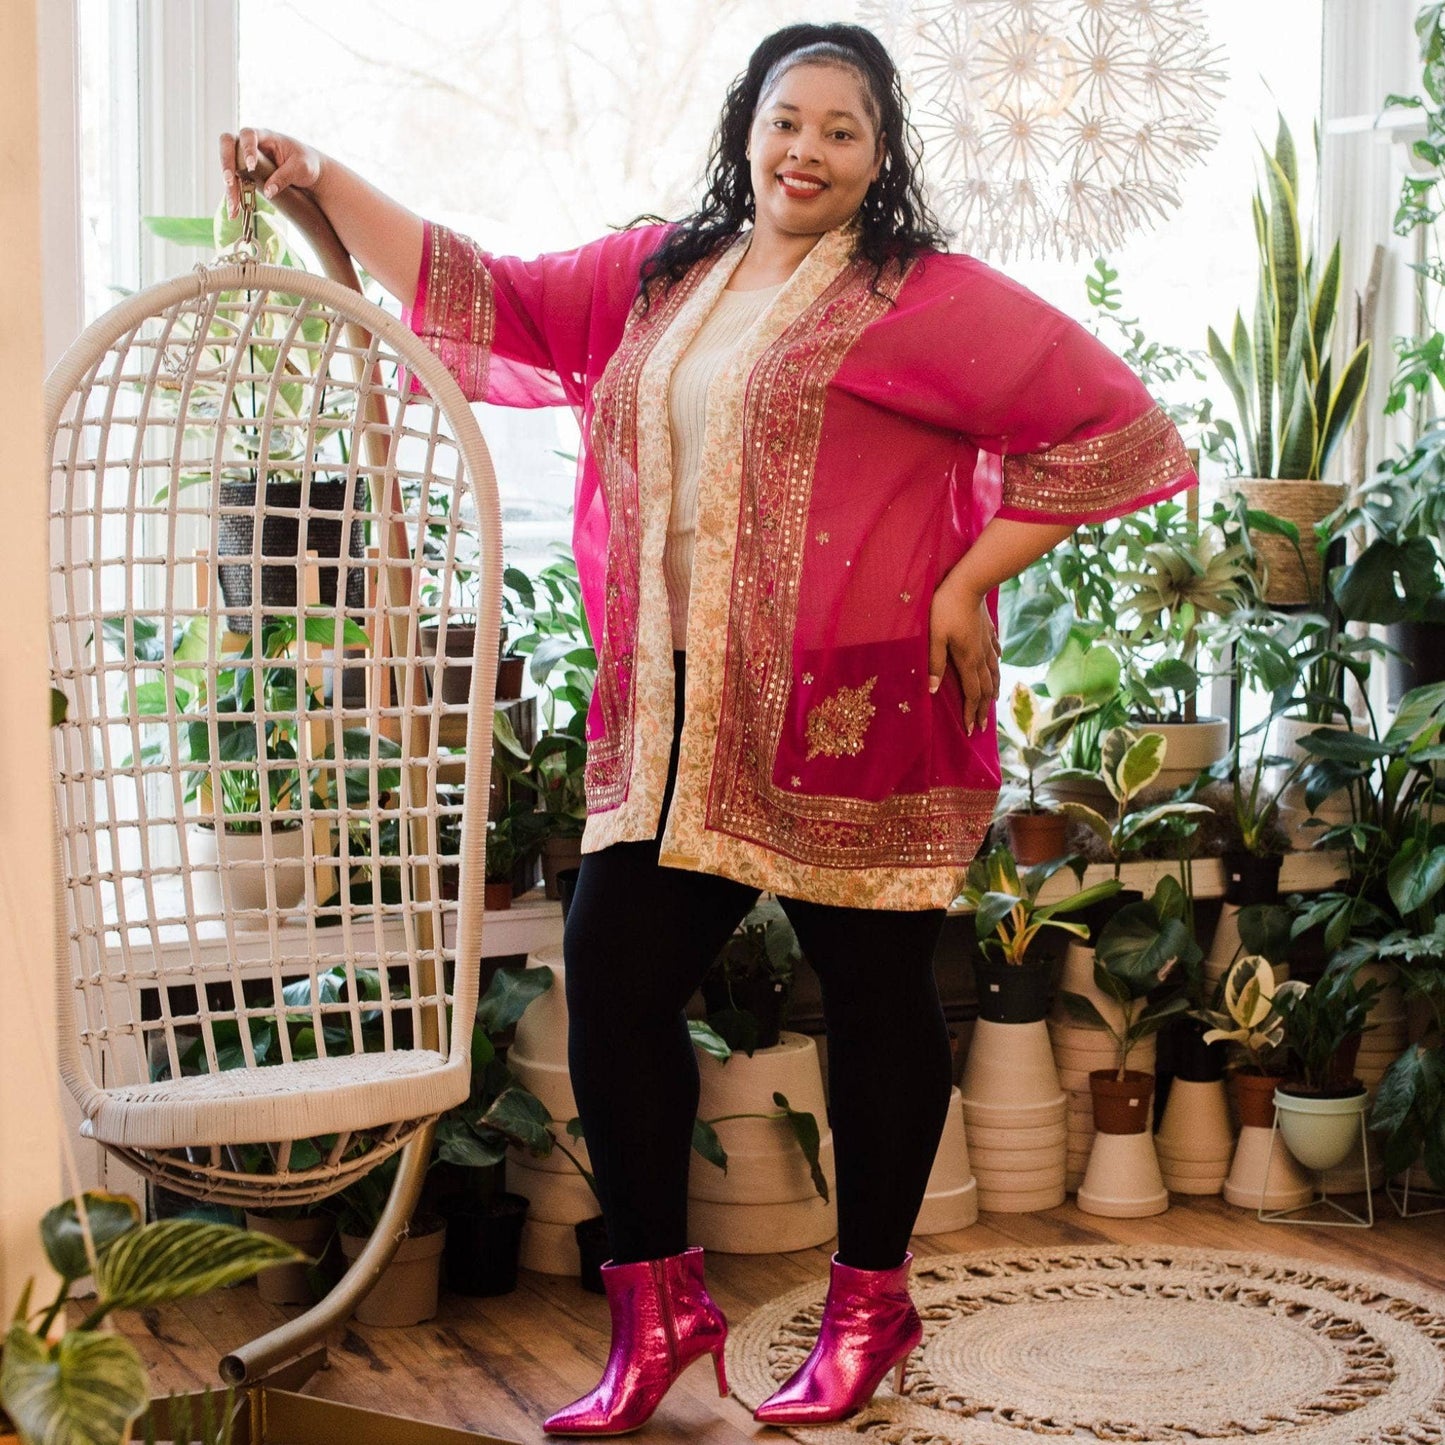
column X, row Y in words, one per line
column 813, row 150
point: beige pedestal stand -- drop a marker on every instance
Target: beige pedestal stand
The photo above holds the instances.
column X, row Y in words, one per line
column 1013, row 1110
column 766, row 1202
column 559, row 1196
column 1195, row 1141
column 951, row 1199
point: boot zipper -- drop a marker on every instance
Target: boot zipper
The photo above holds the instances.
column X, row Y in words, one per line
column 669, row 1324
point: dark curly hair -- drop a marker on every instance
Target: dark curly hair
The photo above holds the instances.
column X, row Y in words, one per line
column 894, row 220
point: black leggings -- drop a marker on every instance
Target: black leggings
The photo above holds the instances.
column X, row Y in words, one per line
column 639, row 938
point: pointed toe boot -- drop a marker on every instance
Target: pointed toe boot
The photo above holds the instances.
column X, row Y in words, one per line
column 662, row 1320
column 869, row 1327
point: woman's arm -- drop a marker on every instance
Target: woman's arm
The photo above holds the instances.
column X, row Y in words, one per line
column 960, row 628
column 381, row 233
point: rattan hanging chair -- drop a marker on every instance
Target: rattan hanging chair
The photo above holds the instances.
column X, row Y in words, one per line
column 265, row 991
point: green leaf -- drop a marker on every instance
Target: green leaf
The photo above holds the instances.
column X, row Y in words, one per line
column 179, row 1258
column 1094, row 821
column 1091, row 673
column 1142, row 763
column 522, row 1117
column 59, row 707
column 109, row 1216
column 321, row 628
column 1415, row 875
column 509, row 994
column 184, row 230
column 1038, row 630
column 707, row 1143
column 993, row 908
column 1083, row 1008
column 85, row 1390
column 805, row 1131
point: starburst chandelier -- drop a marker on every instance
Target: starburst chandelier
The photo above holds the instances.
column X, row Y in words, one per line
column 1053, row 126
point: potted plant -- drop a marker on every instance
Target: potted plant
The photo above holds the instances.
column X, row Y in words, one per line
column 1012, row 979
column 303, row 455
column 1130, row 762
column 1037, row 830
column 748, row 985
column 1186, row 575
column 85, row 1383
column 499, row 864
column 1294, row 412
column 1138, row 951
column 1320, row 1101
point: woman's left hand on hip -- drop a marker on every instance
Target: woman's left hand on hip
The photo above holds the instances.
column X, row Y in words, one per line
column 961, row 631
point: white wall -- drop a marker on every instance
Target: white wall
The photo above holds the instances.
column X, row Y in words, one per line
column 29, row 1112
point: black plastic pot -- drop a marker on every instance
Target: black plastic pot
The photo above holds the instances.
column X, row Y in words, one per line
column 1010, row 993
column 1423, row 647
column 566, row 886
column 1250, row 879
column 1190, row 1058
column 281, row 538
column 1098, row 914
column 594, row 1251
column 483, row 1244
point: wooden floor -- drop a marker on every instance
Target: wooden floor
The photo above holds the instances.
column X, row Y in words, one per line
column 499, row 1366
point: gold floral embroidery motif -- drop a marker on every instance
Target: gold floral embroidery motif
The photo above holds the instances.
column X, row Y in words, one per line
column 837, row 725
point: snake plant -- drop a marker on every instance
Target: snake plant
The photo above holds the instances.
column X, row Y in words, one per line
column 1292, row 408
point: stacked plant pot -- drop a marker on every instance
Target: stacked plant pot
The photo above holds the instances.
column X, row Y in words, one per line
column 1013, row 1107
column 1079, row 1050
column 559, row 1194
column 1260, row 1154
column 766, row 1201
column 1195, row 1141
column 951, row 1198
column 1122, row 1180
column 1383, row 1043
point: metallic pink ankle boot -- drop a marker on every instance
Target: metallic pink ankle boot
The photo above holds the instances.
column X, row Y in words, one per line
column 662, row 1320
column 869, row 1326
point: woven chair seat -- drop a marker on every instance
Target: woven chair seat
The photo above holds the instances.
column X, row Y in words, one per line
column 310, row 1097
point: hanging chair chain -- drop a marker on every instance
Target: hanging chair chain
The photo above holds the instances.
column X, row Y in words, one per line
column 245, row 250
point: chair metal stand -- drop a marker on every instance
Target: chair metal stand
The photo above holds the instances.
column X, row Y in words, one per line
column 1322, row 1200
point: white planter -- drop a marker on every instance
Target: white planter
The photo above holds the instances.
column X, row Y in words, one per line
column 766, row 1200
column 1294, row 809
column 1189, row 748
column 1320, row 1132
column 1260, row 1154
column 231, row 872
column 1010, row 1065
column 951, row 1198
column 1123, row 1179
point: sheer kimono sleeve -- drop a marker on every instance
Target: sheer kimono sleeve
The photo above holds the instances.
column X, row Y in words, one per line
column 526, row 333
column 1079, row 437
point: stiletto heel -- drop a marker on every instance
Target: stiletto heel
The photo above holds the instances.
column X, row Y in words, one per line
column 662, row 1320
column 869, row 1328
column 722, row 1376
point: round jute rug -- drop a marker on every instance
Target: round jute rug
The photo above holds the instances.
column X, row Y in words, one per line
column 1139, row 1344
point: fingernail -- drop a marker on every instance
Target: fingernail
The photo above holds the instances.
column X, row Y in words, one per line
column 228, row 176
column 933, row 683
column 968, row 729
column 268, row 192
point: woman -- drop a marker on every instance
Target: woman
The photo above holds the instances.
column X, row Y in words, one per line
column 814, row 446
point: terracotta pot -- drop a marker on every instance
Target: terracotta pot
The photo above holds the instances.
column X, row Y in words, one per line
column 1121, row 1106
column 1253, row 1099
column 456, row 671
column 1037, row 837
column 496, row 897
column 510, row 671
column 290, row 1284
column 406, row 1293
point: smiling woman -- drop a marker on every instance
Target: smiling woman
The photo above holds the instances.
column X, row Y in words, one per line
column 814, row 443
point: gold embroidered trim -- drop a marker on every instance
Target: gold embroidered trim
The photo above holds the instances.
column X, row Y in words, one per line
column 459, row 315
column 1103, row 472
column 837, row 726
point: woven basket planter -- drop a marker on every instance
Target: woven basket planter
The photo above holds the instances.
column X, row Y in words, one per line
column 1304, row 504
column 281, row 539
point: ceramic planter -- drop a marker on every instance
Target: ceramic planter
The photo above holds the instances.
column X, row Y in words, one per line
column 1010, row 1065
column 950, row 1200
column 1189, row 748
column 290, row 1284
column 406, row 1293
column 1036, row 837
column 456, row 668
column 557, row 854
column 1320, row 1131
column 1024, row 1146
column 237, row 886
column 1195, row 1141
column 766, row 1200
column 1264, row 1174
